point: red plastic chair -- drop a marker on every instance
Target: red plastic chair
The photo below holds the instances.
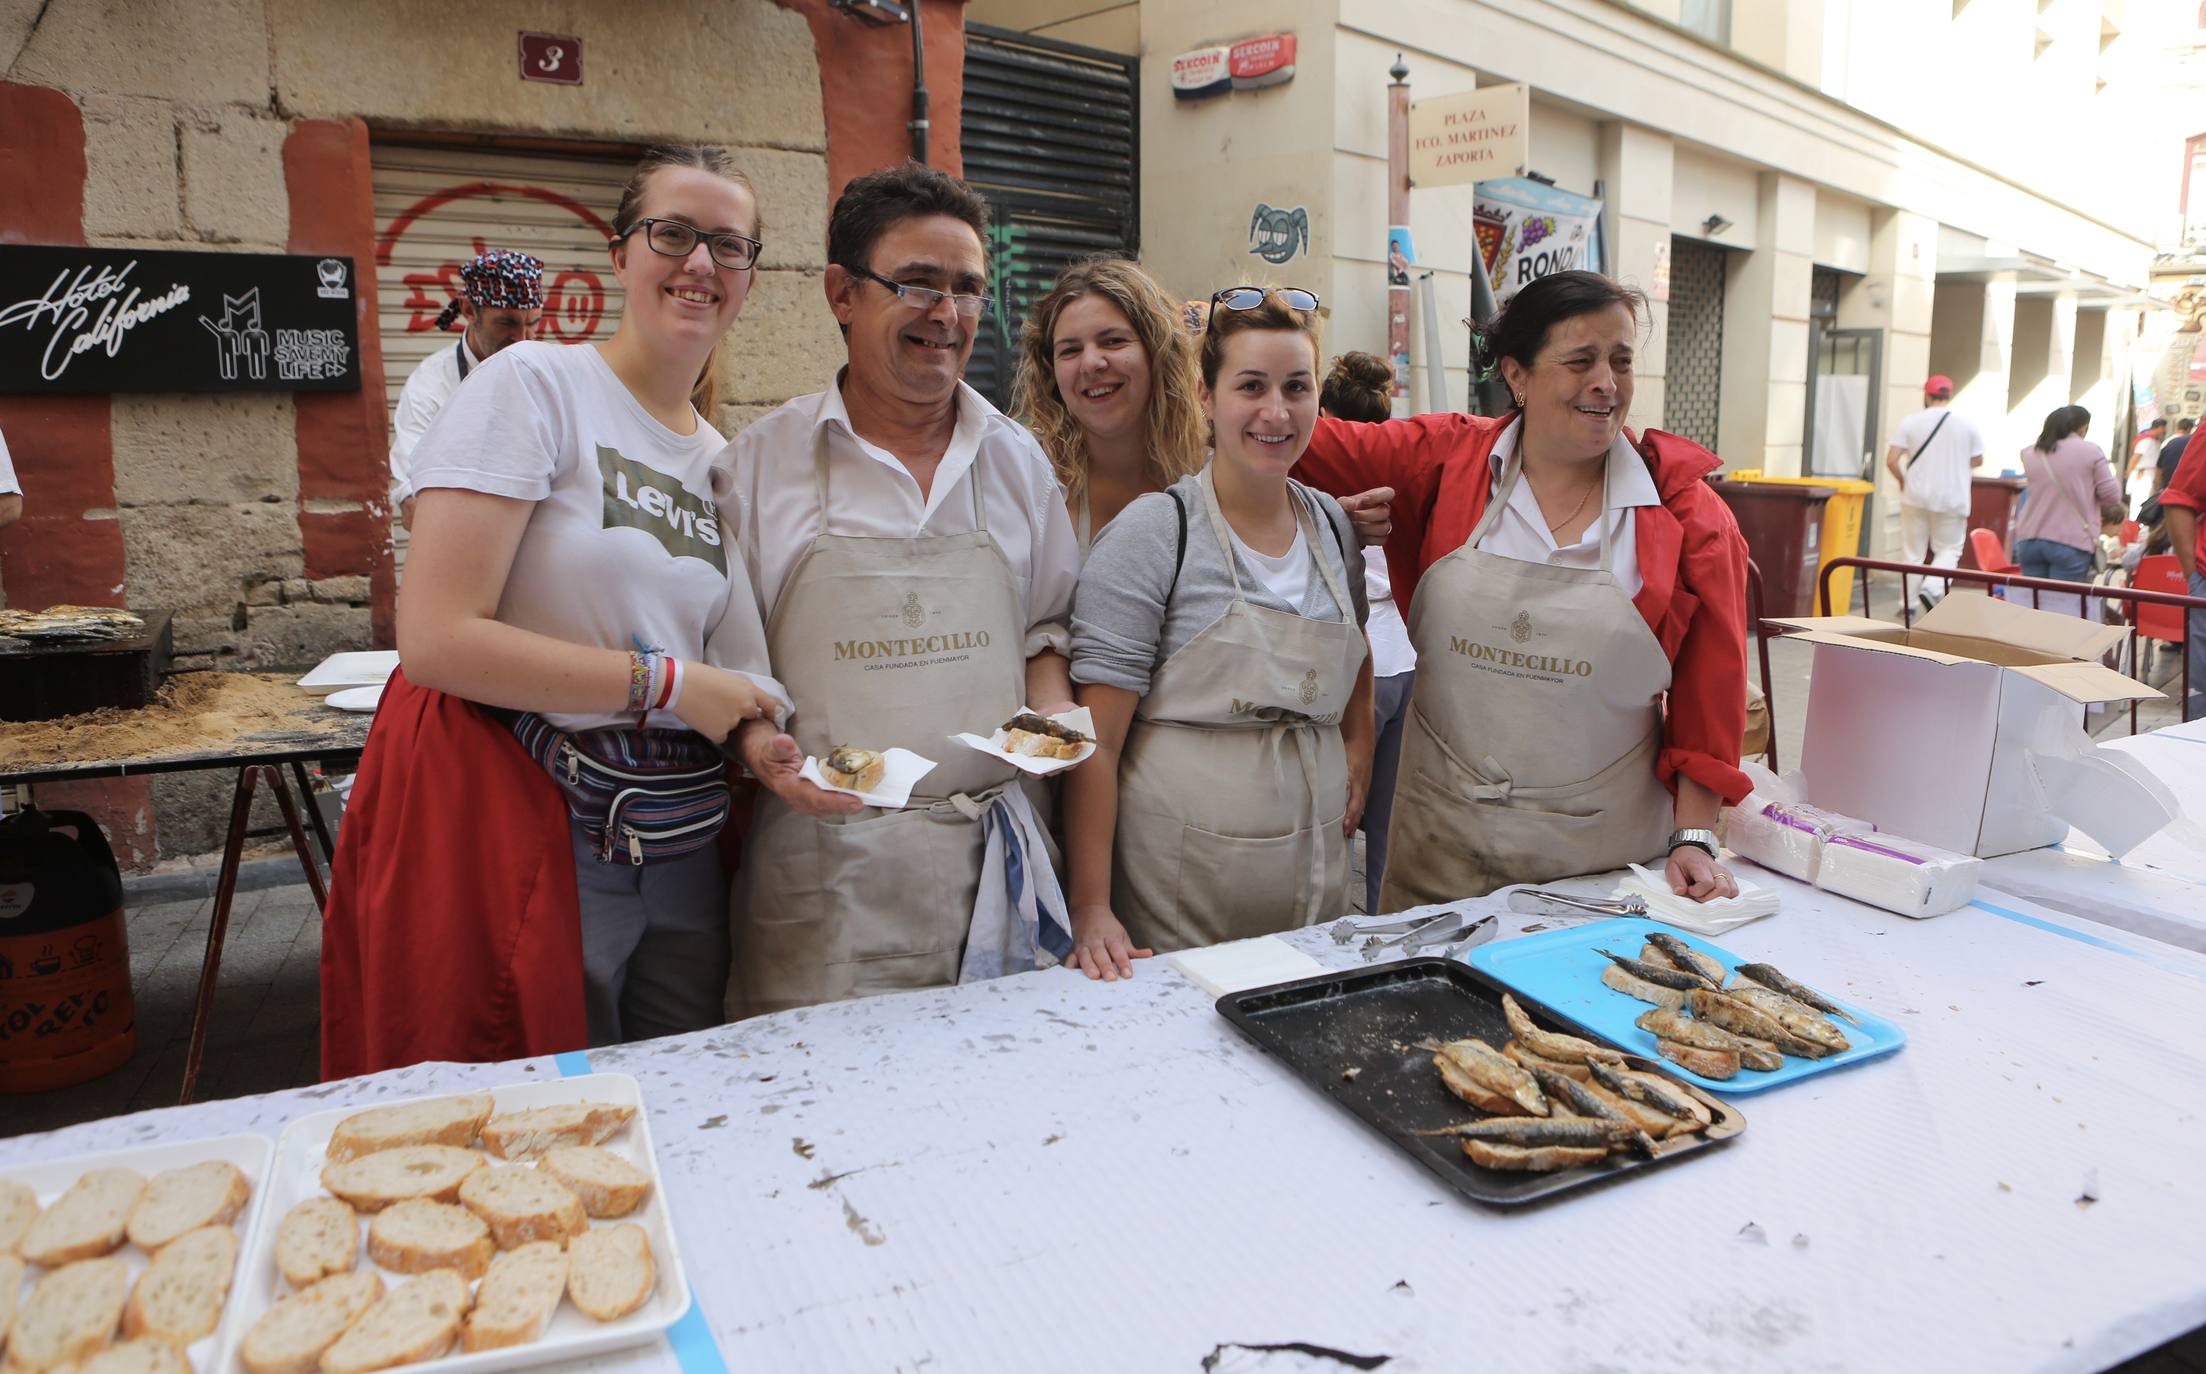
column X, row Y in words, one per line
column 2160, row 573
column 1989, row 555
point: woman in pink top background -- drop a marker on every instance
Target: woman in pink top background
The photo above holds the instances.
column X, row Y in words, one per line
column 2072, row 489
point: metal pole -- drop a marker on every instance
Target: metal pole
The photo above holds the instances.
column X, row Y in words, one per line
column 1397, row 215
column 919, row 121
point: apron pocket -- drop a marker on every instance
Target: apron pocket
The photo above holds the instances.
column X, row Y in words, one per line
column 1232, row 888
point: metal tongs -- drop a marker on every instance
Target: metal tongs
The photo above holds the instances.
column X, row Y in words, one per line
column 1536, row 901
column 1458, row 930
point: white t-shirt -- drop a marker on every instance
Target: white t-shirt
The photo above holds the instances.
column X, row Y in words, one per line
column 625, row 540
column 433, row 381
column 1288, row 576
column 8, row 484
column 1391, row 652
column 1522, row 532
column 1938, row 481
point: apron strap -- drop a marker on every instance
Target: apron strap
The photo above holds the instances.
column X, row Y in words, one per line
column 1333, row 586
column 1084, row 523
column 1218, row 527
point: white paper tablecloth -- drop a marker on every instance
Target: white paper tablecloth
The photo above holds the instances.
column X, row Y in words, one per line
column 1048, row 1173
column 2159, row 888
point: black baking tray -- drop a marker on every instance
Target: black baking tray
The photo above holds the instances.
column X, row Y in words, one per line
column 1371, row 1019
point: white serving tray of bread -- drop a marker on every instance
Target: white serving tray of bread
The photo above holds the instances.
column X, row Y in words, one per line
column 96, row 1234
column 473, row 1220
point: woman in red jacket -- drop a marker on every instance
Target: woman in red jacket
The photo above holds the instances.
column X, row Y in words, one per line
column 1576, row 598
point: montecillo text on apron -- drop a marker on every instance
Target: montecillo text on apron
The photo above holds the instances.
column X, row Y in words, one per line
column 914, row 652
column 1548, row 665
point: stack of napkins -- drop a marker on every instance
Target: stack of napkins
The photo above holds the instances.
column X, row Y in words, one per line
column 1241, row 964
column 1702, row 918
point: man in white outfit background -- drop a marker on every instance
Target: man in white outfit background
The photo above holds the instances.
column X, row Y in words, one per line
column 1931, row 456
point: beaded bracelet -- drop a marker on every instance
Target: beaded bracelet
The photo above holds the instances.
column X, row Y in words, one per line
column 639, row 679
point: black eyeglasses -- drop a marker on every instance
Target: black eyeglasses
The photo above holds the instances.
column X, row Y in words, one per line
column 1250, row 297
column 925, row 298
column 670, row 238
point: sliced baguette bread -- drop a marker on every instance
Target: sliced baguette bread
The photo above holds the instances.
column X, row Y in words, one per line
column 71, row 1313
column 418, row 1236
column 180, row 1200
column 289, row 1338
column 608, row 1185
column 317, row 1238
column 11, row 1287
column 18, row 1208
column 440, row 1121
column 86, row 1221
column 528, row 1134
column 610, row 1271
column 523, row 1205
column 375, row 1181
column 517, row 1297
column 416, row 1321
column 179, row 1297
column 143, row 1356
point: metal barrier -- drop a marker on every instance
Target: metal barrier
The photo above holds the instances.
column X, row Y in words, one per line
column 2011, row 581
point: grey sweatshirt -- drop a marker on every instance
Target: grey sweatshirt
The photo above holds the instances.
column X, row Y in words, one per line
column 1128, row 615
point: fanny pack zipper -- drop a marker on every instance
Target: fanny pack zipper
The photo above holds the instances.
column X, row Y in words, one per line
column 576, row 762
column 615, row 826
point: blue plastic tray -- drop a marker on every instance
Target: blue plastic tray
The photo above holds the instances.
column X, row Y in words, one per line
column 1560, row 970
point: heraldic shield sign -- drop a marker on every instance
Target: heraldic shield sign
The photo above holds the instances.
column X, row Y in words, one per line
column 99, row 320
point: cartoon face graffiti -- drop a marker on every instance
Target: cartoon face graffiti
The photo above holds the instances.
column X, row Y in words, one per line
column 1277, row 235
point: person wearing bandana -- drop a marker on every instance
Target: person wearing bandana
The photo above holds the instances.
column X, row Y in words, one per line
column 502, row 303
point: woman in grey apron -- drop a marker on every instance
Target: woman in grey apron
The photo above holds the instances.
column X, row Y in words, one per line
column 1217, row 637
column 1577, row 602
column 1107, row 381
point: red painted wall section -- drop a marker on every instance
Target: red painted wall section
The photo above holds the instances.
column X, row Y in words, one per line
column 865, row 88
column 62, row 446
column 344, row 439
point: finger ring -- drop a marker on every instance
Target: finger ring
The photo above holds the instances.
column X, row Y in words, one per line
column 1723, row 875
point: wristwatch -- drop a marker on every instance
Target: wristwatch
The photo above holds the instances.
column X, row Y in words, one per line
column 1704, row 840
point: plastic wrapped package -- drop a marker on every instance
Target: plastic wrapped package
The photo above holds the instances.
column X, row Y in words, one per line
column 1786, row 836
column 1901, row 875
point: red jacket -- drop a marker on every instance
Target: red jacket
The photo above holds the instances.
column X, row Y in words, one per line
column 453, row 929
column 1692, row 561
column 2187, row 488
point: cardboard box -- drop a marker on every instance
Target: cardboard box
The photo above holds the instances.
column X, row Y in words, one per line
column 1966, row 731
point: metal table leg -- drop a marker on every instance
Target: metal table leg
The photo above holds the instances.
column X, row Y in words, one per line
column 225, row 893
column 225, row 890
column 313, row 812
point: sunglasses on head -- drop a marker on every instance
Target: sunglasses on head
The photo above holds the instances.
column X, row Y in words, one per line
column 1250, row 297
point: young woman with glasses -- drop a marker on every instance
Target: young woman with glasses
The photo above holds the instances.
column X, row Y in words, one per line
column 1218, row 640
column 575, row 624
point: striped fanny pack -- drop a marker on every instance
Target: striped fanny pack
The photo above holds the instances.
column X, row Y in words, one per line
column 657, row 794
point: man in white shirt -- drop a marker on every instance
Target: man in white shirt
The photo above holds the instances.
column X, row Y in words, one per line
column 11, row 491
column 502, row 302
column 914, row 565
column 1931, row 456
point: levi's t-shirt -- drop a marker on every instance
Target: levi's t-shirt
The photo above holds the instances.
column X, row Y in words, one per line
column 625, row 538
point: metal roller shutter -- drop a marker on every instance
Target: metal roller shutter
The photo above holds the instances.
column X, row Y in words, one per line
column 1050, row 132
column 1692, row 393
column 437, row 207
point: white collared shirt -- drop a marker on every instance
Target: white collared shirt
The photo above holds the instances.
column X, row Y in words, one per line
column 1523, row 534
column 430, row 385
column 772, row 499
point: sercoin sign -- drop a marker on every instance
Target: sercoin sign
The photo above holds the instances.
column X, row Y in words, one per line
column 1203, row 72
column 1260, row 62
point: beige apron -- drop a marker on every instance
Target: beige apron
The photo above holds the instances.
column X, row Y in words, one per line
column 882, row 643
column 1233, row 780
column 1533, row 727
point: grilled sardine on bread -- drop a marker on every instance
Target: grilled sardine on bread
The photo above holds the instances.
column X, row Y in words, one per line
column 860, row 770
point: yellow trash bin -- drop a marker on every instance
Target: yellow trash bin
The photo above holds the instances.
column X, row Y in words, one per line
column 1841, row 526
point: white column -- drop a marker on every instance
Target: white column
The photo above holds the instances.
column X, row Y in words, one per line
column 1895, row 296
column 1765, row 332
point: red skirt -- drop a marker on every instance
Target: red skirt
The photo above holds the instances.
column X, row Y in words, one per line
column 453, row 930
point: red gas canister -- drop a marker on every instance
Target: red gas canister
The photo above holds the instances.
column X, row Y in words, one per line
column 65, row 1007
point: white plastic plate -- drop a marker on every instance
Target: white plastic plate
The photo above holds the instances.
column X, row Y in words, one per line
column 249, row 1153
column 297, row 1175
column 360, row 699
column 358, row 669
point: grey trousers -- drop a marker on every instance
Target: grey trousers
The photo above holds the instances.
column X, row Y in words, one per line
column 1390, row 705
column 654, row 943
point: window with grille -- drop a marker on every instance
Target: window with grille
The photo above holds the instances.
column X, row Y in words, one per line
column 1050, row 134
column 1693, row 390
column 1823, row 294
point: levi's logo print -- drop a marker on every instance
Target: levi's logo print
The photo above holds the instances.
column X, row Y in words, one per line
column 645, row 499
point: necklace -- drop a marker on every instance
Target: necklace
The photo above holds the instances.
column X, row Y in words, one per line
column 1554, row 525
